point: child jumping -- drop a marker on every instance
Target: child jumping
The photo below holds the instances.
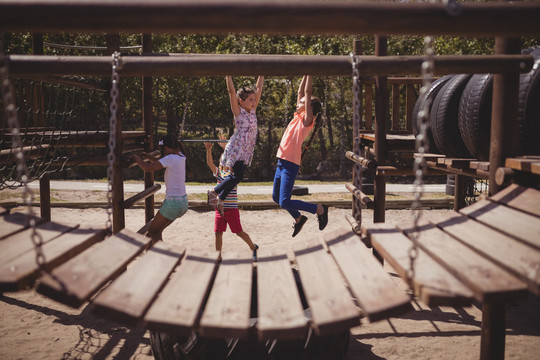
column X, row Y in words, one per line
column 289, row 156
column 230, row 214
column 239, row 150
column 175, row 204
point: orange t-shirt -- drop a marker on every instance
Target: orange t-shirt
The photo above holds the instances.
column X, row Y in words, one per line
column 290, row 148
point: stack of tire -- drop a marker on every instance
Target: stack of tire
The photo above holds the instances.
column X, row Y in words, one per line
column 460, row 114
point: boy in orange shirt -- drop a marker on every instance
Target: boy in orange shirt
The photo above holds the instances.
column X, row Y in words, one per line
column 289, row 158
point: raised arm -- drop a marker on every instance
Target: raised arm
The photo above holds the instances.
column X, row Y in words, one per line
column 209, row 158
column 235, row 106
column 308, row 117
column 301, row 90
column 258, row 88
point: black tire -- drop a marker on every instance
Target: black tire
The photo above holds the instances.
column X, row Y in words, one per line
column 419, row 104
column 300, row 190
column 529, row 106
column 444, row 118
column 169, row 346
column 475, row 115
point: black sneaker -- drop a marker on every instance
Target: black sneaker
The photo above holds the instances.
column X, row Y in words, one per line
column 255, row 252
column 323, row 218
column 298, row 225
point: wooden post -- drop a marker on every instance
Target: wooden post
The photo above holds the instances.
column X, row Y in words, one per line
column 147, row 113
column 459, row 192
column 410, row 101
column 113, row 44
column 45, row 196
column 395, row 107
column 368, row 103
column 492, row 342
column 357, row 168
column 381, row 110
column 504, row 123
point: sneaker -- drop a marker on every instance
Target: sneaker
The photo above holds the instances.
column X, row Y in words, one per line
column 323, row 218
column 255, row 252
column 297, row 226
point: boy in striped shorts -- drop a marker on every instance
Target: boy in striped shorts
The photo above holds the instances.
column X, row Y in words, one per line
column 230, row 214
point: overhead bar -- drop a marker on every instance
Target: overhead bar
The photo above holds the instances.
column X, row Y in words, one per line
column 270, row 65
column 270, row 17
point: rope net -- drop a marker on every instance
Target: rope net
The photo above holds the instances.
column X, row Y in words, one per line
column 61, row 126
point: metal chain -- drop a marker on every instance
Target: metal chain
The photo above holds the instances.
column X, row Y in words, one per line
column 17, row 145
column 421, row 148
column 111, row 156
column 185, row 109
column 287, row 103
column 356, row 90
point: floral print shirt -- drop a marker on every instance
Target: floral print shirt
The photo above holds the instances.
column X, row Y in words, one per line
column 242, row 144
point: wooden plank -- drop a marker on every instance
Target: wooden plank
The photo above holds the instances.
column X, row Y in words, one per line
column 480, row 165
column 280, row 312
column 520, row 198
column 455, row 162
column 488, row 281
column 516, row 257
column 512, row 222
column 131, row 294
column 3, row 211
column 431, row 282
column 178, row 305
column 374, row 290
column 13, row 223
column 74, row 282
column 330, row 302
column 21, row 271
column 21, row 242
column 524, row 164
column 228, row 309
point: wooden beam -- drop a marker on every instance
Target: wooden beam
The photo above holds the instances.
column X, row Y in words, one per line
column 269, row 17
column 253, row 65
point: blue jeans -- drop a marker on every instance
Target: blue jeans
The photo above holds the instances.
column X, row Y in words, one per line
column 225, row 187
column 284, row 178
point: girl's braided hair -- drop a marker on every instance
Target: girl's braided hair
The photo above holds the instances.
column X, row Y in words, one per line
column 244, row 92
column 316, row 105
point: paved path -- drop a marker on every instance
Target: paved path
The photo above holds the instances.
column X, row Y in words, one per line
column 245, row 189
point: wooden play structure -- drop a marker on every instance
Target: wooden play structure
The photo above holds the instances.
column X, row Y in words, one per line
column 488, row 252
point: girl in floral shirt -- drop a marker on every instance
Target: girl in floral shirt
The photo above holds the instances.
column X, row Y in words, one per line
column 239, row 149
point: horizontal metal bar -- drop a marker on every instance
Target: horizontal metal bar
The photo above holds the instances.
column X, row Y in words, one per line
column 270, row 17
column 253, row 65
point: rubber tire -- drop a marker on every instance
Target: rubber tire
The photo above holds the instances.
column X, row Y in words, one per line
column 300, row 190
column 169, row 346
column 475, row 115
column 444, row 118
column 529, row 105
column 419, row 104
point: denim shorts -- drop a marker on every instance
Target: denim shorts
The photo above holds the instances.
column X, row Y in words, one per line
column 174, row 207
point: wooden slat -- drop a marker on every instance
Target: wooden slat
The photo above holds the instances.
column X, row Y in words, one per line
column 487, row 280
column 132, row 293
column 228, row 309
column 330, row 302
column 280, row 312
column 531, row 165
column 15, row 222
column 520, row 198
column 74, row 282
column 517, row 257
column 3, row 211
column 22, row 270
column 506, row 220
column 480, row 165
column 178, row 305
column 432, row 283
column 21, row 242
column 374, row 290
column 455, row 162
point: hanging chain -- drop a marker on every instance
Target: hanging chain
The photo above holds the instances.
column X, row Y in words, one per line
column 356, row 90
column 111, row 156
column 287, row 103
column 17, row 146
column 421, row 148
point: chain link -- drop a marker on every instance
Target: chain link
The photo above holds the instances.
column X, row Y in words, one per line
column 17, row 146
column 422, row 147
column 116, row 62
column 181, row 131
